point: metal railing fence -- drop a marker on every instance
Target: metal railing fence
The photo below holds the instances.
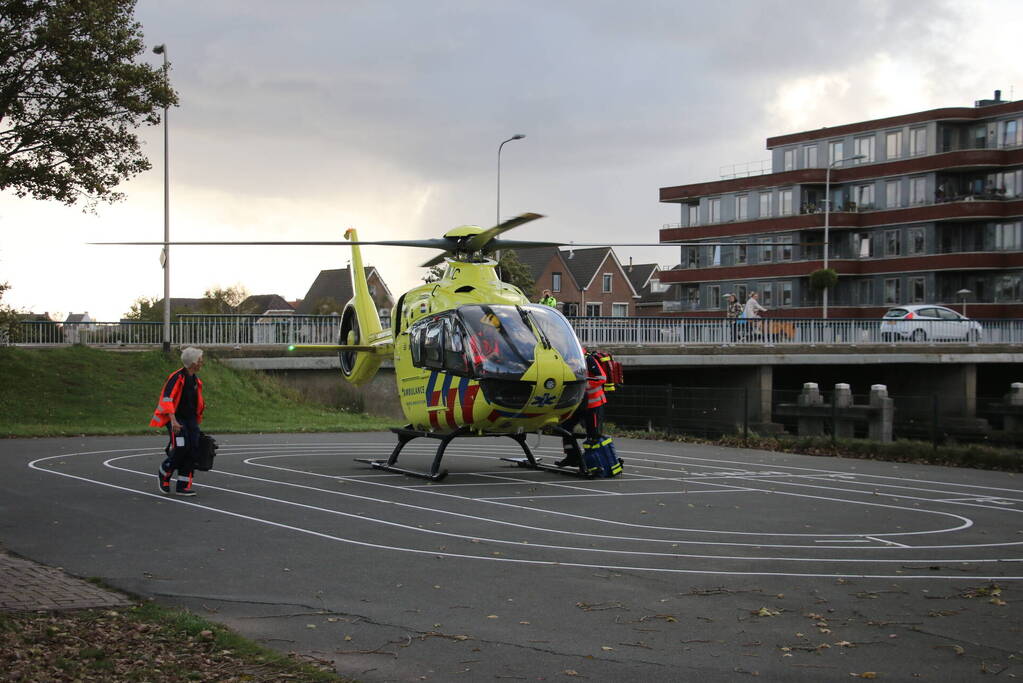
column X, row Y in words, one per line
column 241, row 330
column 712, row 412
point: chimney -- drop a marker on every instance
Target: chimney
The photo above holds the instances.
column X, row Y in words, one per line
column 998, row 95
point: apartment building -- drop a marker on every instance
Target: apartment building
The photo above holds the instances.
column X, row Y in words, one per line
column 924, row 208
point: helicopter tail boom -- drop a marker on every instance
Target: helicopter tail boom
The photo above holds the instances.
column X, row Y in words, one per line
column 360, row 326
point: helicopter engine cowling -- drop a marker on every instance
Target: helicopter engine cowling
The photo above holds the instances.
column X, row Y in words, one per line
column 358, row 367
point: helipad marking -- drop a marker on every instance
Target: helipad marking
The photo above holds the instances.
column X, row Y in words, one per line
column 34, row 465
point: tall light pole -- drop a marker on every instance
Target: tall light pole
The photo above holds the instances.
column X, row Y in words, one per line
column 517, row 136
column 827, row 218
column 962, row 294
column 162, row 50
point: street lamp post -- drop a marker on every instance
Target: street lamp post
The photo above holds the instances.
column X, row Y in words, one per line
column 517, row 136
column 962, row 294
column 827, row 218
column 162, row 50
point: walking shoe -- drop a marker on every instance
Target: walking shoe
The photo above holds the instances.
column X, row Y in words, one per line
column 163, row 479
column 184, row 487
column 568, row 462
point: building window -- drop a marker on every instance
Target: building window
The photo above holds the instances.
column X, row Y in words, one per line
column 740, row 293
column 863, row 246
column 593, row 310
column 571, row 310
column 835, row 151
column 918, row 190
column 864, row 292
column 691, row 296
column 1008, row 288
column 742, row 207
column 605, row 285
column 892, row 243
column 714, row 206
column 766, row 251
column 917, row 141
column 691, row 258
column 715, row 255
column 893, row 144
column 864, row 197
column 892, row 295
column 694, row 214
column 765, row 204
column 555, row 282
column 766, row 294
column 864, row 146
column 785, row 203
column 789, row 159
column 916, row 241
column 714, row 297
column 810, row 156
column 892, row 194
column 1010, row 130
column 786, row 294
column 1008, row 236
column 620, row 310
column 916, row 290
column 740, row 254
column 785, row 250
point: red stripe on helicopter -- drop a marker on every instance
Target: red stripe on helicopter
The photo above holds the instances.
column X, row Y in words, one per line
column 452, row 404
column 467, row 402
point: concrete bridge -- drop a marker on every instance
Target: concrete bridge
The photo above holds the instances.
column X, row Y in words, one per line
column 958, row 373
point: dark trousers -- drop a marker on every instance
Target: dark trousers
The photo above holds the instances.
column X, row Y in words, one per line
column 591, row 420
column 182, row 458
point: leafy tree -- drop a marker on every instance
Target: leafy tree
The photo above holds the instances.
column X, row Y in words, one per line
column 434, row 274
column 515, row 272
column 824, row 278
column 71, row 97
column 146, row 309
column 9, row 318
column 221, row 300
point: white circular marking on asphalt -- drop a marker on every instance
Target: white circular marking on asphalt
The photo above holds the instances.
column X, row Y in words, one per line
column 560, row 537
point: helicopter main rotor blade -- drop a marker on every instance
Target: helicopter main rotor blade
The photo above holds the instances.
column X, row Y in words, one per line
column 434, row 243
column 480, row 241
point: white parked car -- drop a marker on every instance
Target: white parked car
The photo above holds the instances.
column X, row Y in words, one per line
column 920, row 322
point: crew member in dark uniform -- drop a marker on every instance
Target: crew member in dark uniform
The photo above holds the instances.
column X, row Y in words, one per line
column 180, row 409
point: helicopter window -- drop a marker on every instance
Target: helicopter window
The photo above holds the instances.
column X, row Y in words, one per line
column 455, row 359
column 415, row 343
column 560, row 334
column 433, row 351
column 500, row 343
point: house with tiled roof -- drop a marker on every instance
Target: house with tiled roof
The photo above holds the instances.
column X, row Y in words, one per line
column 263, row 303
column 332, row 289
column 586, row 282
column 656, row 298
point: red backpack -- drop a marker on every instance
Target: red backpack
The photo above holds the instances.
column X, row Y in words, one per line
column 612, row 369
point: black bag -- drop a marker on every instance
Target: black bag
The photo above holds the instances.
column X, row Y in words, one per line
column 207, row 451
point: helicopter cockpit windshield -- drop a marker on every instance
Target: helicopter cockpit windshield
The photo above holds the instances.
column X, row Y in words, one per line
column 493, row 341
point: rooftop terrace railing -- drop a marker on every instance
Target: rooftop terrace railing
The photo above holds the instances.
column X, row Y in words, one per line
column 210, row 331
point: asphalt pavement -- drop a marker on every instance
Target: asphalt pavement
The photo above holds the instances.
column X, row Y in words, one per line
column 700, row 562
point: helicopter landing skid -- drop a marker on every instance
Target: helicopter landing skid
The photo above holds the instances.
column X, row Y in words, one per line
column 530, row 462
column 406, row 434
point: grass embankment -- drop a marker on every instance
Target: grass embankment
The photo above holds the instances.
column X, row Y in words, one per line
column 142, row 643
column 81, row 390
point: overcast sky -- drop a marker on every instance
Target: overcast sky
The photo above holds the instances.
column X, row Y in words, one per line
column 301, row 119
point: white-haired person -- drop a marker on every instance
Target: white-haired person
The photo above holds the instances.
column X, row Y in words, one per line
column 180, row 409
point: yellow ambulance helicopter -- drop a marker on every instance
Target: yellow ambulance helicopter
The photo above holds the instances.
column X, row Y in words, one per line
column 472, row 355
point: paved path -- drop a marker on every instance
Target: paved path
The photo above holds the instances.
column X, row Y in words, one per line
column 30, row 586
column 700, row 562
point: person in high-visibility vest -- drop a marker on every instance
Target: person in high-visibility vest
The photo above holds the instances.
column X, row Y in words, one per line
column 180, row 409
column 590, row 414
column 548, row 299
